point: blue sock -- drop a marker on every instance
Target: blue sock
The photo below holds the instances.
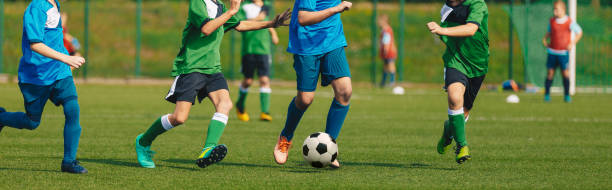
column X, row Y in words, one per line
column 293, row 118
column 392, row 78
column 19, row 120
column 72, row 130
column 335, row 118
column 384, row 79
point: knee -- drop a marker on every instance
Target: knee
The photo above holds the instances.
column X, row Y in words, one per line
column 247, row 83
column 71, row 109
column 31, row 125
column 303, row 102
column 344, row 95
column 177, row 120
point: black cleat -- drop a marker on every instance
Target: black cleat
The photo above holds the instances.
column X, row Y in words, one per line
column 211, row 155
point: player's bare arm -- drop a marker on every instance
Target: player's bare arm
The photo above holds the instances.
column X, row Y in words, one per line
column 73, row 61
column 279, row 20
column 465, row 30
column 545, row 39
column 574, row 41
column 214, row 24
column 273, row 35
column 306, row 18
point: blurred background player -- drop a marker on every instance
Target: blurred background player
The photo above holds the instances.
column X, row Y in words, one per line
column 44, row 74
column 388, row 50
column 464, row 30
column 70, row 42
column 316, row 39
column 256, row 55
column 197, row 69
column 561, row 41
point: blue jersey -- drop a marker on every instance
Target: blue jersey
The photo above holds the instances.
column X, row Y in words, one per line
column 318, row 38
column 42, row 23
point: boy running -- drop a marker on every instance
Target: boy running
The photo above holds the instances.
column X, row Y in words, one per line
column 464, row 30
column 316, row 39
column 256, row 52
column 197, row 69
column 44, row 74
column 561, row 41
column 388, row 50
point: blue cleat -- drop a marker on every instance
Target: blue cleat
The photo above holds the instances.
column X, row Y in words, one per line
column 73, row 167
column 567, row 99
column 144, row 154
column 211, row 155
column 547, row 98
column 1, row 110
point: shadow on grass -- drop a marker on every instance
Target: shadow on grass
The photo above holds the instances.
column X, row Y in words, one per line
column 118, row 162
column 185, row 161
column 31, row 170
column 394, row 165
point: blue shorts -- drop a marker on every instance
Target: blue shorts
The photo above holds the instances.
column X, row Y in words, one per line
column 555, row 61
column 330, row 65
column 35, row 97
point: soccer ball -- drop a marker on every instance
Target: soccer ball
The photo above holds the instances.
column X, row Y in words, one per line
column 319, row 150
column 398, row 90
column 513, row 99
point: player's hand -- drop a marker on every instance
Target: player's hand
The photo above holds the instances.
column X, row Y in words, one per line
column 234, row 6
column 74, row 61
column 344, row 6
column 282, row 19
column 570, row 46
column 434, row 28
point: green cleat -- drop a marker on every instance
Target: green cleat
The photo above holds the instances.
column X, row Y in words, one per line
column 211, row 155
column 445, row 142
column 144, row 154
column 463, row 154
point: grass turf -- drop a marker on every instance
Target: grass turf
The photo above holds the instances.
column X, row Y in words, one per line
column 388, row 142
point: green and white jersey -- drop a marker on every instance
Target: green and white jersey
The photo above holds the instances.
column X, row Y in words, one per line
column 470, row 55
column 257, row 41
column 200, row 53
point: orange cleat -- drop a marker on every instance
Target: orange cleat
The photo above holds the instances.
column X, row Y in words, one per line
column 281, row 150
column 242, row 116
column 265, row 117
column 335, row 164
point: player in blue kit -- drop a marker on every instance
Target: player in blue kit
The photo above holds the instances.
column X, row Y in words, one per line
column 316, row 39
column 44, row 74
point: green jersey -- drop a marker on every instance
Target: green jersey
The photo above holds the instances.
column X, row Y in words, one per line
column 256, row 41
column 199, row 52
column 470, row 55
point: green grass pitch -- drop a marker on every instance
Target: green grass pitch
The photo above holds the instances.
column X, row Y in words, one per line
column 387, row 142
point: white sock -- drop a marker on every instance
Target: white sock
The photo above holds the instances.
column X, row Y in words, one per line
column 265, row 90
column 455, row 112
column 166, row 122
column 220, row 117
column 244, row 89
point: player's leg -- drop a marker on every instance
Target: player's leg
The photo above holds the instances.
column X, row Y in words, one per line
column 219, row 95
column 183, row 93
column 551, row 64
column 456, row 119
column 263, row 72
column 248, row 71
column 34, row 97
column 564, row 60
column 392, row 72
column 307, row 73
column 64, row 93
column 385, row 73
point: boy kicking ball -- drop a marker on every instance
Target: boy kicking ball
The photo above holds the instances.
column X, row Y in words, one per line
column 44, row 74
column 464, row 30
column 197, row 69
column 316, row 39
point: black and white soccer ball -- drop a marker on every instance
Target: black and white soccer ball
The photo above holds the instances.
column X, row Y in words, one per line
column 319, row 150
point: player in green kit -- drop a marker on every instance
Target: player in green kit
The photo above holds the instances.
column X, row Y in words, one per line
column 197, row 69
column 256, row 55
column 464, row 30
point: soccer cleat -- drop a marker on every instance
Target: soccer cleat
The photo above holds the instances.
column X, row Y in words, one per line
column 242, row 116
column 281, row 150
column 211, row 155
column 1, row 110
column 335, row 164
column 463, row 154
column 265, row 117
column 547, row 97
column 444, row 143
column 144, row 154
column 567, row 99
column 73, row 167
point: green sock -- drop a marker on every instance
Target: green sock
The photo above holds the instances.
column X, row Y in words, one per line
column 156, row 129
column 264, row 98
column 215, row 129
column 457, row 123
column 448, row 132
column 241, row 99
